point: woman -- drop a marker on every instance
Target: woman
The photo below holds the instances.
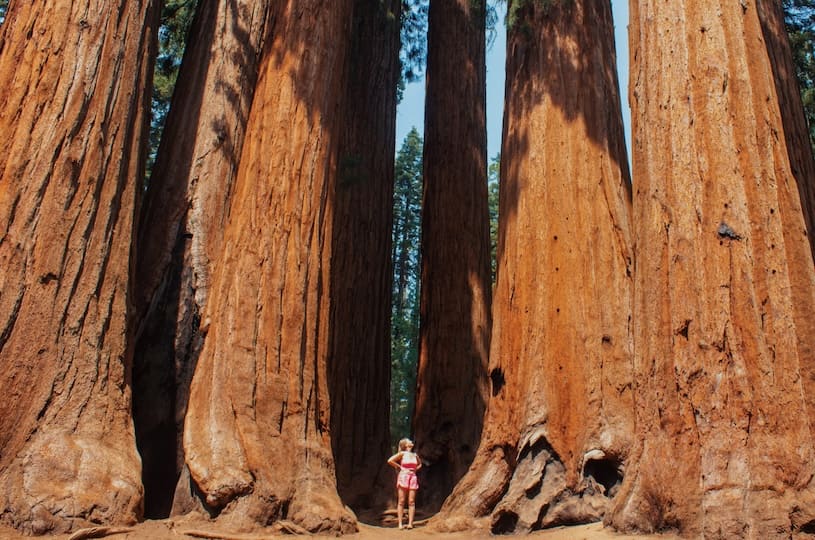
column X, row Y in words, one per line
column 407, row 463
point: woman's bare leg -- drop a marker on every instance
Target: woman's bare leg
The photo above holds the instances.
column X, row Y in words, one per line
column 411, row 507
column 400, row 497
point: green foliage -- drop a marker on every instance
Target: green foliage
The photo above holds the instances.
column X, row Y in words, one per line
column 800, row 21
column 413, row 35
column 517, row 9
column 493, row 173
column 407, row 200
column 176, row 18
column 3, row 8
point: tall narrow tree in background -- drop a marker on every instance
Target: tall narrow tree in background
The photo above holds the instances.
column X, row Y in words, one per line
column 455, row 294
column 493, row 186
column 724, row 333
column 256, row 435
column 407, row 229
column 561, row 415
column 359, row 368
column 180, row 234
column 74, row 123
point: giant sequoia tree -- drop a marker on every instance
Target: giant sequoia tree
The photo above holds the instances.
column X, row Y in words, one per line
column 724, row 333
column 455, row 293
column 74, row 78
column 183, row 219
column 796, row 131
column 251, row 296
column 560, row 419
column 799, row 20
column 359, row 367
column 256, row 435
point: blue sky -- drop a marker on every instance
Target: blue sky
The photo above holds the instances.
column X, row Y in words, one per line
column 411, row 110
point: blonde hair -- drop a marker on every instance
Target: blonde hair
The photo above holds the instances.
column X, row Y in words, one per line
column 403, row 444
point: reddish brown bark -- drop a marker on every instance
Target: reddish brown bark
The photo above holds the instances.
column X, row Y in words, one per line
column 182, row 223
column 359, row 368
column 72, row 116
column 455, row 291
column 256, row 435
column 726, row 289
column 560, row 418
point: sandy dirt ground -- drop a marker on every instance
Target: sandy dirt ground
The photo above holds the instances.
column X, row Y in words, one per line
column 193, row 527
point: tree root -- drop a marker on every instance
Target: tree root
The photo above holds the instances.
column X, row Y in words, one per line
column 286, row 527
column 99, row 532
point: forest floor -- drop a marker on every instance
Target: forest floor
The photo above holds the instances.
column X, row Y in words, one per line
column 193, row 527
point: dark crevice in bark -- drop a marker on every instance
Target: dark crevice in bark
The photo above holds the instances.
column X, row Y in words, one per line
column 606, row 472
column 168, row 335
column 12, row 318
column 154, row 396
column 498, row 380
column 807, row 528
column 504, row 523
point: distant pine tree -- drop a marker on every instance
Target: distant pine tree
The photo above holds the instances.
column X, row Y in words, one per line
column 493, row 173
column 407, row 211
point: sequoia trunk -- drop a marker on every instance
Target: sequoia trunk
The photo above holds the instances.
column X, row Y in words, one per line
column 796, row 132
column 182, row 223
column 359, row 367
column 560, row 419
column 724, row 336
column 73, row 120
column 256, row 433
column 455, row 291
